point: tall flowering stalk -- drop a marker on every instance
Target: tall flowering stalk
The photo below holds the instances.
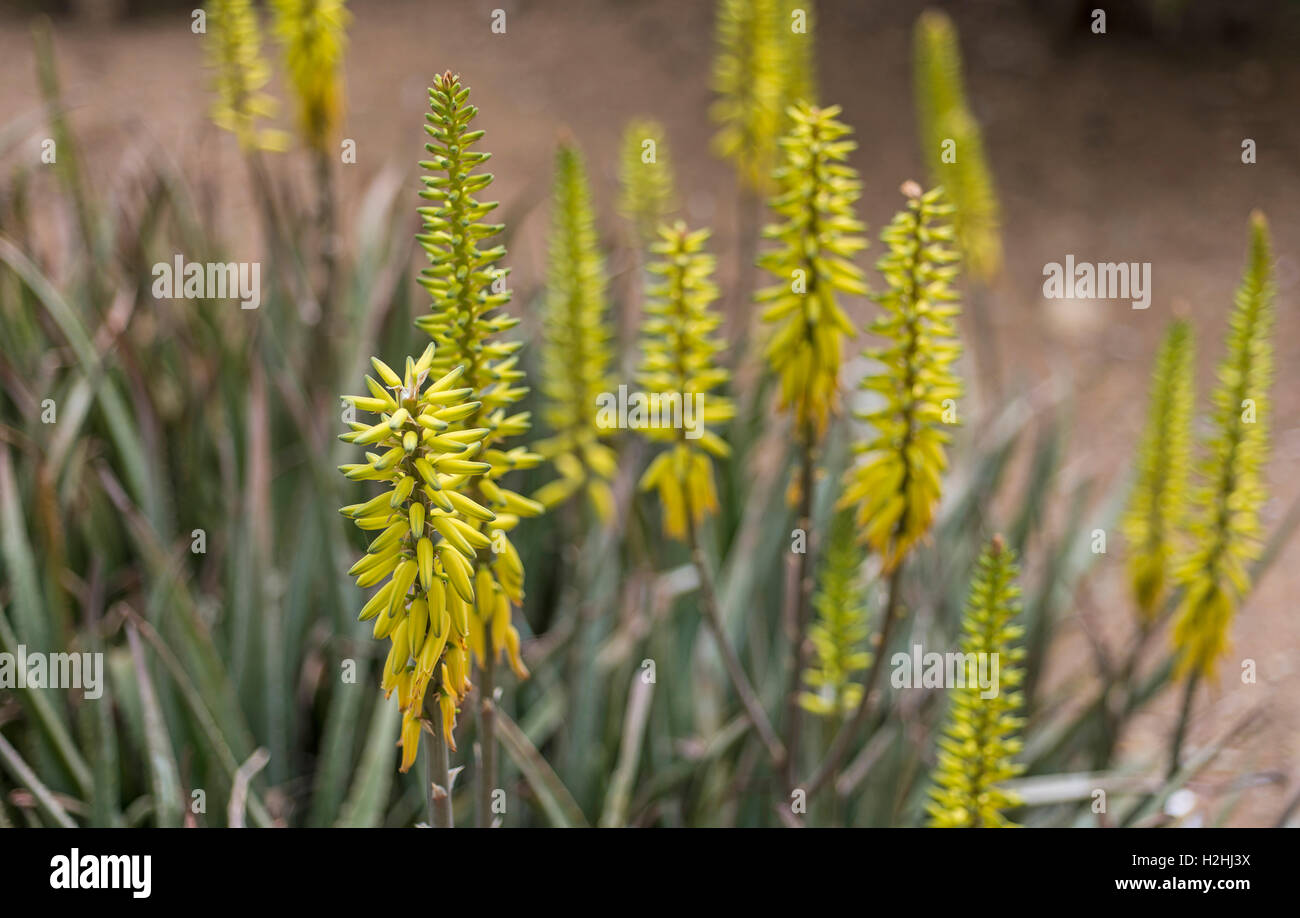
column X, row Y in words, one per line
column 978, row 749
column 576, row 349
column 679, row 373
column 816, row 236
column 1224, row 522
column 424, row 555
column 895, row 490
column 680, row 349
column 839, row 633
column 645, row 172
column 314, row 38
column 749, row 78
column 313, row 34
column 468, row 292
column 1225, row 519
column 1158, row 506
column 240, row 74
column 953, row 147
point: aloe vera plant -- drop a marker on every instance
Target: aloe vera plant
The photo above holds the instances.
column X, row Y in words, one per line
column 673, row 658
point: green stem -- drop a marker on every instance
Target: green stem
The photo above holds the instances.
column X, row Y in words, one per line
column 487, row 741
column 1180, row 730
column 739, row 681
column 438, row 778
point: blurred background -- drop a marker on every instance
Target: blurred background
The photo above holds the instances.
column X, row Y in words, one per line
column 1117, row 147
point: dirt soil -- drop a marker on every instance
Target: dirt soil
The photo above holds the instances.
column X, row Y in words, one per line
column 1118, row 147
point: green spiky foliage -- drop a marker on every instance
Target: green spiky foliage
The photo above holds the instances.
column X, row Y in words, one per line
column 468, row 294
column 816, row 236
column 839, row 633
column 1224, row 528
column 646, row 175
column 960, row 166
column 313, row 34
column 1158, row 506
column 896, row 489
column 233, row 46
column 576, row 348
column 976, row 753
column 750, row 80
column 679, row 363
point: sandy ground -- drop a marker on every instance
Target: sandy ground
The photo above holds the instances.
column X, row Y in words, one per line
column 1108, row 147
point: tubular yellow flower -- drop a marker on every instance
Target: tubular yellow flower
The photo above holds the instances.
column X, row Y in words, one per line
column 679, row 370
column 951, row 142
column 749, row 78
column 978, row 748
column 314, row 38
column 839, row 635
column 897, row 488
column 468, row 292
column 1158, row 505
column 233, row 49
column 1224, row 526
column 576, row 346
column 646, row 173
column 427, row 458
column 817, row 237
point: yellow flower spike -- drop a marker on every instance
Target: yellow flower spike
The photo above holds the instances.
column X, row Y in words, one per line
column 679, row 362
column 977, row 751
column 233, row 49
column 412, row 602
column 646, row 175
column 946, row 123
column 449, row 416
column 896, row 490
column 1157, row 507
column 750, row 79
column 839, row 634
column 312, row 33
column 576, row 346
column 817, row 236
column 1224, row 524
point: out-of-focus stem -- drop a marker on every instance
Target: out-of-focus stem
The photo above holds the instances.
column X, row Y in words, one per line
column 730, row 661
column 1180, row 730
column 487, row 779
column 797, row 599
